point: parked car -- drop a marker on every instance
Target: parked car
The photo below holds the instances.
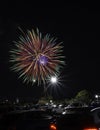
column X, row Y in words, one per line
column 83, row 118
column 26, row 120
column 75, row 104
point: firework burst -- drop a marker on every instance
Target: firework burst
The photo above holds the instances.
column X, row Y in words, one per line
column 35, row 57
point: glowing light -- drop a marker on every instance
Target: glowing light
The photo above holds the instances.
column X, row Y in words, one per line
column 53, row 127
column 34, row 80
column 54, row 79
column 90, row 129
column 43, row 60
column 36, row 57
column 55, row 83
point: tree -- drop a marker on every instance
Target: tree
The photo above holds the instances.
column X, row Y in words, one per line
column 83, row 96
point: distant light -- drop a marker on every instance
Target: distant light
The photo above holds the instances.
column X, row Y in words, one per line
column 54, row 105
column 64, row 112
column 34, row 80
column 50, row 101
column 54, row 79
column 96, row 96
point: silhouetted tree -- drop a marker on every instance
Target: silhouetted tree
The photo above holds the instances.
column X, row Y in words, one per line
column 83, row 96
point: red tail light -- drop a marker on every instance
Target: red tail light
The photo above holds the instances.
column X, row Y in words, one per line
column 53, row 127
column 90, row 129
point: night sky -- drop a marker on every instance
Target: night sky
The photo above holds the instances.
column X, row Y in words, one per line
column 76, row 24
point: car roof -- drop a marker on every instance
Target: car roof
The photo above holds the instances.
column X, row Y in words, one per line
column 79, row 109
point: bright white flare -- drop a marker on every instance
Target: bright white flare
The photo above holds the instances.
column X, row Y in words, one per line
column 53, row 79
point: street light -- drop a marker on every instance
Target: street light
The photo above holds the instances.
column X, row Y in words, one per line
column 97, row 96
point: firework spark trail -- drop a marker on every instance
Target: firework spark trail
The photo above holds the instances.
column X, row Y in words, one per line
column 36, row 57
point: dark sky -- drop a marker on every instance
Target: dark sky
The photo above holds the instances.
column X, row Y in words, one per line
column 76, row 24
